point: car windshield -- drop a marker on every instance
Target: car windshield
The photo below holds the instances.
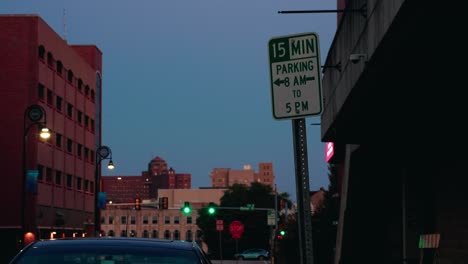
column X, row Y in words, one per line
column 108, row 255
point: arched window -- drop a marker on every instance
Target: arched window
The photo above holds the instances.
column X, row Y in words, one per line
column 167, row 234
column 59, row 67
column 189, row 235
column 176, row 235
column 111, row 233
column 50, row 59
column 145, row 233
column 41, row 51
column 80, row 85
column 133, row 233
column 123, row 233
column 70, row 76
column 87, row 90
column 155, row 234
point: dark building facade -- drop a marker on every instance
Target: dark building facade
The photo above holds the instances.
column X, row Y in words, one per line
column 394, row 110
column 40, row 68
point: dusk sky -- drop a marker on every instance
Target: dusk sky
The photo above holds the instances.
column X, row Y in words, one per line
column 189, row 81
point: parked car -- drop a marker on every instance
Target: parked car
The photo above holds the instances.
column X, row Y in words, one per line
column 109, row 250
column 253, row 253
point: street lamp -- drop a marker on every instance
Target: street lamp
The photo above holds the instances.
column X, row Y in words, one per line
column 34, row 114
column 102, row 153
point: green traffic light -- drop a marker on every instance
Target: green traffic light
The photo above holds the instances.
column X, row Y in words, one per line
column 211, row 210
column 282, row 232
column 186, row 209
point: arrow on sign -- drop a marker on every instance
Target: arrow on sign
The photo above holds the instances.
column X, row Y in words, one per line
column 278, row 81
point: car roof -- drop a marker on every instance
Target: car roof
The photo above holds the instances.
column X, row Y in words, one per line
column 115, row 242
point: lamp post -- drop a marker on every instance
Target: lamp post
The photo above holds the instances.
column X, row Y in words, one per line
column 102, row 153
column 34, row 114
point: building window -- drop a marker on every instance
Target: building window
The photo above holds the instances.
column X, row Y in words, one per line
column 91, row 186
column 189, row 235
column 79, row 148
column 86, row 121
column 79, row 116
column 155, row 219
column 86, row 185
column 176, row 220
column 133, row 233
column 145, row 219
column 80, row 85
column 111, row 233
column 69, row 145
column 93, row 97
column 59, row 103
column 48, row 174
column 176, row 235
column 69, row 110
column 123, row 220
column 132, row 220
column 69, row 181
column 58, row 177
column 87, row 90
column 70, row 76
column 40, row 169
column 145, row 234
column 123, row 233
column 167, row 234
column 86, row 153
column 92, row 125
column 40, row 91
column 50, row 99
column 50, row 59
column 111, row 220
column 189, row 219
column 167, row 220
column 154, row 234
column 79, row 181
column 58, row 140
column 59, row 67
column 41, row 51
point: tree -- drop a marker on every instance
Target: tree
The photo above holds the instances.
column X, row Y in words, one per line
column 256, row 231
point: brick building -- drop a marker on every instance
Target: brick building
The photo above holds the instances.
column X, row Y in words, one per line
column 225, row 177
column 124, row 189
column 40, row 68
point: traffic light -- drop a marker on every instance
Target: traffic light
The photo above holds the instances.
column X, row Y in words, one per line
column 186, row 209
column 281, row 234
column 211, row 209
column 163, row 203
column 137, row 204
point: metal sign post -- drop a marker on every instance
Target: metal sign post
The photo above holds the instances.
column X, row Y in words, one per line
column 302, row 191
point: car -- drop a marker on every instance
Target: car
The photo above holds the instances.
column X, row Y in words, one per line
column 111, row 250
column 253, row 253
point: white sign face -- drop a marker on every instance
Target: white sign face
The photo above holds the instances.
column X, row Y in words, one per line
column 296, row 88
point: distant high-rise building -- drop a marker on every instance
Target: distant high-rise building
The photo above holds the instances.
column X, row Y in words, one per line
column 225, row 177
